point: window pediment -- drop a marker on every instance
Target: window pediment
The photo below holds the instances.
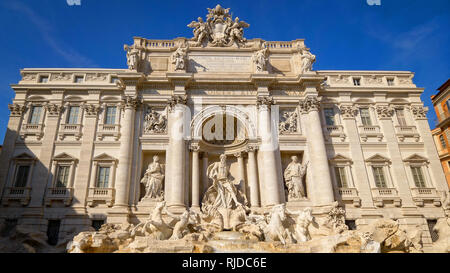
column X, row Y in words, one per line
column 340, row 159
column 104, row 157
column 377, row 158
column 24, row 156
column 415, row 158
column 64, row 157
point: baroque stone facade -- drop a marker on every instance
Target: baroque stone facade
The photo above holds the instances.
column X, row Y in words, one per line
column 227, row 127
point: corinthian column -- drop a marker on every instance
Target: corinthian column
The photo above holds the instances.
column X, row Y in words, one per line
column 177, row 151
column 321, row 185
column 125, row 155
column 271, row 187
column 195, row 176
column 253, row 177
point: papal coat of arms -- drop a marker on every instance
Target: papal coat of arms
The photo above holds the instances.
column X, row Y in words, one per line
column 219, row 30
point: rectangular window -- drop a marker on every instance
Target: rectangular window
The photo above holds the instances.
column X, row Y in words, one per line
column 419, row 181
column 329, row 116
column 103, row 177
column 356, row 81
column 110, row 115
column 35, row 115
column 53, row 231
column 341, row 177
column 434, row 235
column 390, row 82
column 22, row 176
column 400, row 113
column 378, row 174
column 365, row 117
column 43, row 79
column 62, row 176
column 442, row 140
column 72, row 117
column 79, row 79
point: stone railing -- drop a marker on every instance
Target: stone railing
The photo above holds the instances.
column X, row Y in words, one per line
column 350, row 194
column 366, row 132
column 108, row 130
column 403, row 132
column 32, row 129
column 101, row 195
column 381, row 195
column 59, row 194
column 280, row 45
column 420, row 195
column 21, row 194
column 151, row 44
column 70, row 129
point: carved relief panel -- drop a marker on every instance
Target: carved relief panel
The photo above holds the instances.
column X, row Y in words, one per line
column 155, row 120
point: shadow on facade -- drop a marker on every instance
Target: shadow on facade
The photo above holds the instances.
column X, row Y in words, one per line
column 36, row 212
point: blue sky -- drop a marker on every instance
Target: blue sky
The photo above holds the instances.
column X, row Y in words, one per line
column 410, row 35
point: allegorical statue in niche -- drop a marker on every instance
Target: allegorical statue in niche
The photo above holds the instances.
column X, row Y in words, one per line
column 293, row 175
column 153, row 179
column 260, row 60
column 179, row 58
column 223, row 192
column 308, row 60
column 154, row 122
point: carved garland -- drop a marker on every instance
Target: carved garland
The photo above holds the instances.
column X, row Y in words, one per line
column 385, row 112
column 348, row 111
column 53, row 109
column 91, row 110
column 176, row 99
column 419, row 112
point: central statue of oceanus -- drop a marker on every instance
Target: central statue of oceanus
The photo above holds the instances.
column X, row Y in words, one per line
column 223, row 195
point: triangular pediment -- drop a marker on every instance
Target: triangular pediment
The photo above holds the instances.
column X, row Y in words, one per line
column 64, row 156
column 340, row 158
column 378, row 158
column 104, row 157
column 415, row 158
column 24, row 156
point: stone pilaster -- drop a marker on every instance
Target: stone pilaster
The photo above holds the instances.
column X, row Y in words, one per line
column 9, row 143
column 419, row 113
column 81, row 183
column 348, row 114
column 385, row 114
column 322, row 186
column 42, row 169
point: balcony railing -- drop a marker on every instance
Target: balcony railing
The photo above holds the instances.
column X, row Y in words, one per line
column 420, row 195
column 59, row 194
column 350, row 194
column 101, row 194
column 380, row 195
column 32, row 129
column 108, row 130
column 70, row 129
column 407, row 131
column 366, row 131
column 21, row 194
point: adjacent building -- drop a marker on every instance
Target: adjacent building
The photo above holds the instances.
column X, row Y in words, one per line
column 441, row 134
column 79, row 141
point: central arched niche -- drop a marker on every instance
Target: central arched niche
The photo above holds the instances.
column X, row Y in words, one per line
column 223, row 130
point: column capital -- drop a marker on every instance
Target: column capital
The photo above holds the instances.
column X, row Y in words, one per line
column 130, row 102
column 194, row 147
column 348, row 111
column 175, row 100
column 251, row 148
column 384, row 111
column 264, row 102
column 91, row 110
column 16, row 109
column 308, row 104
column 53, row 109
column 419, row 112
